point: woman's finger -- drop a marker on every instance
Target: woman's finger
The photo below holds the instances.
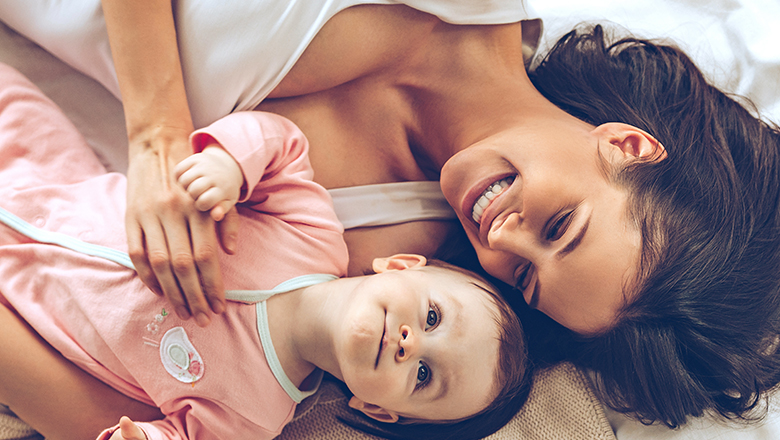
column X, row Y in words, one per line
column 206, row 251
column 137, row 252
column 228, row 231
column 161, row 261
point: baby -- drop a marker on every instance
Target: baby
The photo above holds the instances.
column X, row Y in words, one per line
column 416, row 343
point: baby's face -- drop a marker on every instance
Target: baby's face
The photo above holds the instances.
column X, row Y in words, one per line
column 421, row 343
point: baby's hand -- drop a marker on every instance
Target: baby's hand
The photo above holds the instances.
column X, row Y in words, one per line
column 128, row 431
column 213, row 179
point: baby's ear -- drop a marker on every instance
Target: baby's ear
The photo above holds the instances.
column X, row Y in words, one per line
column 373, row 411
column 398, row 262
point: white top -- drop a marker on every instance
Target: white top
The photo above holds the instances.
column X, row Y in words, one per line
column 390, row 203
column 232, row 56
column 246, row 52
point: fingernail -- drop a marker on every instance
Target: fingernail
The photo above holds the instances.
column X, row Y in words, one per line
column 182, row 312
column 202, row 319
column 219, row 307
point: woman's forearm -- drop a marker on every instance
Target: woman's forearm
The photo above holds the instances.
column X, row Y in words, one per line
column 143, row 42
column 173, row 246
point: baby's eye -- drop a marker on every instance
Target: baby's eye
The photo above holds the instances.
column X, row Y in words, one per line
column 422, row 375
column 432, row 319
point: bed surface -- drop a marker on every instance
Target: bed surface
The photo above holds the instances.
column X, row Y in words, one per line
column 735, row 42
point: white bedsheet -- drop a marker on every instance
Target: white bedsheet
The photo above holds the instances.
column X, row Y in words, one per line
column 736, row 42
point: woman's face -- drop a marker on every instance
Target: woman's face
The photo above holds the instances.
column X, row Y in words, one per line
column 552, row 224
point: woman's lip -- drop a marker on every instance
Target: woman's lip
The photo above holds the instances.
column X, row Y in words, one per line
column 476, row 191
column 495, row 212
column 382, row 342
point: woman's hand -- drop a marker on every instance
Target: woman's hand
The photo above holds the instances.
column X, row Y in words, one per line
column 173, row 245
column 128, row 431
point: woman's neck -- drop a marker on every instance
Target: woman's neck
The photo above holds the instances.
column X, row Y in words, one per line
column 470, row 83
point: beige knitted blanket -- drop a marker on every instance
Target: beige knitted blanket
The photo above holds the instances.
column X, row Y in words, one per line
column 561, row 407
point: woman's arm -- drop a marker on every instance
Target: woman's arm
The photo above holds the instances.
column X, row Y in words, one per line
column 173, row 246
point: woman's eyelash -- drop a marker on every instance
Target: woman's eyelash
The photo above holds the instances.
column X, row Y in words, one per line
column 555, row 230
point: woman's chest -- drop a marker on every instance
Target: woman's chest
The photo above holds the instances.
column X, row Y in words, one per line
column 358, row 134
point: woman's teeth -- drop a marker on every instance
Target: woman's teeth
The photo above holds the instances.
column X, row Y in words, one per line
column 490, row 193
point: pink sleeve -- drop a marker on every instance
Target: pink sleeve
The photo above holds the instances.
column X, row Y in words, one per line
column 273, row 155
column 263, row 144
column 203, row 420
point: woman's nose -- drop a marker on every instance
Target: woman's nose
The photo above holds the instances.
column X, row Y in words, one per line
column 407, row 345
column 510, row 236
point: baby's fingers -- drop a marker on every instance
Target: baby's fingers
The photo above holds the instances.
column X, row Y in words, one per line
column 210, row 198
column 192, row 177
column 219, row 211
column 185, row 165
column 130, row 431
column 199, row 188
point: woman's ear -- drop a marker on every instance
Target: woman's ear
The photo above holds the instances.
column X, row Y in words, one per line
column 398, row 262
column 373, row 411
column 629, row 142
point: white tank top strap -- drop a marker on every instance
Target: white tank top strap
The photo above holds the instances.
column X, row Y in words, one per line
column 390, row 203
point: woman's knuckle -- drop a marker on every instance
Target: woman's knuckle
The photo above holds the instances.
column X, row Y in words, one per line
column 136, row 254
column 182, row 263
column 204, row 255
column 158, row 260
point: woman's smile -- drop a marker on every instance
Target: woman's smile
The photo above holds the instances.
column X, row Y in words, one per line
column 491, row 192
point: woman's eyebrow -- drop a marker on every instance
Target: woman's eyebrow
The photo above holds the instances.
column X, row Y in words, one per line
column 571, row 245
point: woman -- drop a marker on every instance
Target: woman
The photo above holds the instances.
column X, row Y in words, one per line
column 400, row 78
column 558, row 216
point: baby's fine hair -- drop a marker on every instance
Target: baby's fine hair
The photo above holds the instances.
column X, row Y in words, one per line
column 701, row 324
column 513, row 380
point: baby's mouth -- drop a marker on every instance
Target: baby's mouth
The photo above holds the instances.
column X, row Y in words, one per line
column 382, row 343
column 491, row 192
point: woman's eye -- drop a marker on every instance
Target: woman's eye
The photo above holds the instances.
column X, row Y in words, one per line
column 422, row 374
column 557, row 229
column 432, row 319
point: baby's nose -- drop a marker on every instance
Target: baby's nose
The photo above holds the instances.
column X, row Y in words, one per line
column 407, row 345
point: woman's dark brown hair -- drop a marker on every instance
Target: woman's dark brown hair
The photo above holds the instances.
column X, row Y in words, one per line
column 701, row 327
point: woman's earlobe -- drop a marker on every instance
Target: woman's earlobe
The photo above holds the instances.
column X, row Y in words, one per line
column 398, row 262
column 631, row 142
column 375, row 412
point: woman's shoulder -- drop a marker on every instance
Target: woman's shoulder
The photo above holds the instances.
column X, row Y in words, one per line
column 378, row 37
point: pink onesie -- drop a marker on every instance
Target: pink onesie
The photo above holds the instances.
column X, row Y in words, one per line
column 213, row 382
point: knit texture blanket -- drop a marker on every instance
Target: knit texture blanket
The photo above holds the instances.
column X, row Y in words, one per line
column 561, row 407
